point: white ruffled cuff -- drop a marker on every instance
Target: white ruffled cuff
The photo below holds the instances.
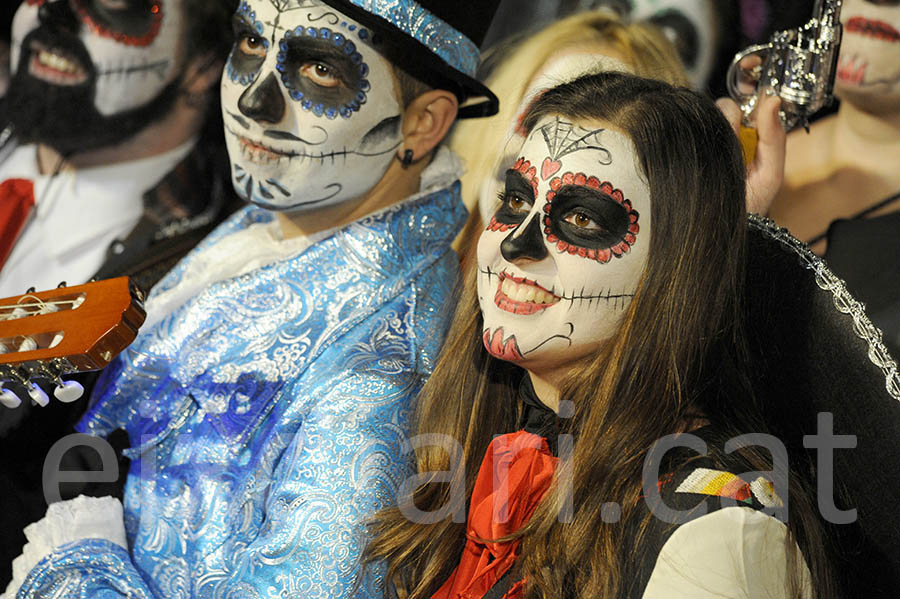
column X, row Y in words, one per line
column 66, row 522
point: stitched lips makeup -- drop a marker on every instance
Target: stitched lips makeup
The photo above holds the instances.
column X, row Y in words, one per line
column 876, row 29
column 563, row 255
column 55, row 65
column 522, row 296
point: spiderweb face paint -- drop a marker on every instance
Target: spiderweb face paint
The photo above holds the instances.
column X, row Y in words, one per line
column 311, row 115
column 869, row 62
column 126, row 52
column 561, row 258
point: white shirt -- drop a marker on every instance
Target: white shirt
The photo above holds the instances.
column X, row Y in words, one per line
column 732, row 553
column 77, row 215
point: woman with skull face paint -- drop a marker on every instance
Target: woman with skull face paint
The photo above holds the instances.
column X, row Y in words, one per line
column 602, row 316
column 842, row 185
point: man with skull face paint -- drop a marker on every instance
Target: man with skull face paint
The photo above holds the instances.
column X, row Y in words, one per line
column 106, row 104
column 268, row 394
column 115, row 135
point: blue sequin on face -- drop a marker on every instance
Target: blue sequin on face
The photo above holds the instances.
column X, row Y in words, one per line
column 242, row 68
column 308, row 45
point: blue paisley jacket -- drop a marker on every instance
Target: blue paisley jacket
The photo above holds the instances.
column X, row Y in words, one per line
column 267, row 416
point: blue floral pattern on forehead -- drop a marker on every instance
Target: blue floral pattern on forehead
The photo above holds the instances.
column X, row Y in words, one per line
column 347, row 109
column 454, row 48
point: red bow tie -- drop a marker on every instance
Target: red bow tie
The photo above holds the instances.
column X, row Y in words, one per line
column 16, row 202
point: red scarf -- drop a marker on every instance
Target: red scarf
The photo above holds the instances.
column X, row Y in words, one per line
column 516, row 472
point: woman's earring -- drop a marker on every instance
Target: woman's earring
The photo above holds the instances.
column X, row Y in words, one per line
column 407, row 158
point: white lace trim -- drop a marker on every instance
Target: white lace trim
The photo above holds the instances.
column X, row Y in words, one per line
column 65, row 522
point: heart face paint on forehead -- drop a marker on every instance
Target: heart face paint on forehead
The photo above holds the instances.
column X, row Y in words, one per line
column 311, row 115
column 563, row 255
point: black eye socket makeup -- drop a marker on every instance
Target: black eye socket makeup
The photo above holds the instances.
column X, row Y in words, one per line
column 574, row 203
column 516, row 200
column 323, row 71
column 132, row 22
column 249, row 51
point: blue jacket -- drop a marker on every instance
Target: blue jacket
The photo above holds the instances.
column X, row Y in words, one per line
column 266, row 417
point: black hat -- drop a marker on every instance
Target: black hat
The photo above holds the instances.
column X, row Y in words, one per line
column 815, row 352
column 435, row 41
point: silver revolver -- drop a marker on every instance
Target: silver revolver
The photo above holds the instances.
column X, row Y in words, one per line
column 799, row 65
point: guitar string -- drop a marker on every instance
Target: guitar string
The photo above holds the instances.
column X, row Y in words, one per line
column 39, row 304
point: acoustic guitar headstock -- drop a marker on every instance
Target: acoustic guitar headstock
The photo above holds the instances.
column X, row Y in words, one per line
column 50, row 334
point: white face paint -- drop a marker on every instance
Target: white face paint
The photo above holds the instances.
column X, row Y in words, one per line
column 563, row 256
column 312, row 118
column 690, row 25
column 560, row 68
column 131, row 48
column 869, row 63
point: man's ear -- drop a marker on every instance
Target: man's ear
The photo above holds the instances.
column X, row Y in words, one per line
column 426, row 122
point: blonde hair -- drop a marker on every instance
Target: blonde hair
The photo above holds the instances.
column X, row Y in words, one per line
column 640, row 46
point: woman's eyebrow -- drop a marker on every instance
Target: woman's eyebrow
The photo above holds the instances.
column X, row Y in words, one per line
column 515, row 179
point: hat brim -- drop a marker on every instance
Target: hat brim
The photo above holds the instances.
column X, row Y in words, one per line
column 813, row 350
column 419, row 61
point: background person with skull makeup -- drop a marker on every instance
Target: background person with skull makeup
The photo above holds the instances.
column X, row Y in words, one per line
column 116, row 133
column 268, row 393
column 107, row 102
column 842, row 184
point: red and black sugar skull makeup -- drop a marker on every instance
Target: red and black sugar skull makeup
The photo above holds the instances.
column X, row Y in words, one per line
column 125, row 52
column 869, row 63
column 312, row 118
column 562, row 67
column 562, row 257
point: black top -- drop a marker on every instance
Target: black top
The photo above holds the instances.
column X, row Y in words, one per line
column 537, row 418
column 865, row 252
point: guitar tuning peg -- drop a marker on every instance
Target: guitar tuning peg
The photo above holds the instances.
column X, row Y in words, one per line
column 37, row 395
column 9, row 399
column 68, row 391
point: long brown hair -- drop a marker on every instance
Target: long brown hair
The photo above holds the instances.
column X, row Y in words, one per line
column 677, row 355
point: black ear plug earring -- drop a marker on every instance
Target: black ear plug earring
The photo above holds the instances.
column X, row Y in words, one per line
column 407, row 158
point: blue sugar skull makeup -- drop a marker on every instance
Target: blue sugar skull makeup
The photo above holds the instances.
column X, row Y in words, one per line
column 312, row 118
